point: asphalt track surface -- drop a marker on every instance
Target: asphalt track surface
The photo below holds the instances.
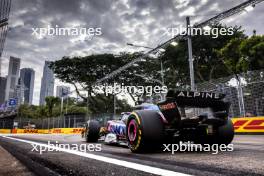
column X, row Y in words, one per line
column 246, row 159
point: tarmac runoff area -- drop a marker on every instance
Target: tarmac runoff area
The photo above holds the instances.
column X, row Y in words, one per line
column 10, row 166
column 246, row 159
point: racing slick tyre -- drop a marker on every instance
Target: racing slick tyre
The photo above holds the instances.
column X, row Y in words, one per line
column 93, row 131
column 144, row 131
column 225, row 133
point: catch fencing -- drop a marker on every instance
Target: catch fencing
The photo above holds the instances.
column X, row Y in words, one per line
column 66, row 121
column 245, row 93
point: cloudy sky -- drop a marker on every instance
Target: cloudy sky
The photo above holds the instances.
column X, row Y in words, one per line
column 142, row 22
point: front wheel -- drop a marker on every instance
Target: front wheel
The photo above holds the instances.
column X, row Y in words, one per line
column 93, row 131
column 144, row 130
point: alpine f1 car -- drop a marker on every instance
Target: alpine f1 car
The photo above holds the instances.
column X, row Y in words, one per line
column 201, row 117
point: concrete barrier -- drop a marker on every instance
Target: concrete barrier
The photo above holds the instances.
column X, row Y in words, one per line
column 45, row 131
column 249, row 125
column 5, row 131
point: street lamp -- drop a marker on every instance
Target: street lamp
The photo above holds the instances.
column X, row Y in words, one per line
column 189, row 39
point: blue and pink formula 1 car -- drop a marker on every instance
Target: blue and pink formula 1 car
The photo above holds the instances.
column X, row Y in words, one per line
column 201, row 117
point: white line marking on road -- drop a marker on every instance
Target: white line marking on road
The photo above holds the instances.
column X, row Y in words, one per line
column 127, row 164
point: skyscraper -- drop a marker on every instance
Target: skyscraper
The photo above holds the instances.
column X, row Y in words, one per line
column 12, row 78
column 62, row 91
column 27, row 77
column 47, row 83
column 2, row 89
column 4, row 15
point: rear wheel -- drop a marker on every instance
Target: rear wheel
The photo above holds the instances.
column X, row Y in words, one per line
column 93, row 131
column 144, row 130
column 222, row 135
column 225, row 133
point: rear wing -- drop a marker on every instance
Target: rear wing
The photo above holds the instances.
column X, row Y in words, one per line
column 178, row 100
column 198, row 99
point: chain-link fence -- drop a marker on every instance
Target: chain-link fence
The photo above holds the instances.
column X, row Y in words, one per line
column 245, row 92
column 74, row 120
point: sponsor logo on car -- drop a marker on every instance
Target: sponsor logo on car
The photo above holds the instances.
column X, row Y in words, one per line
column 167, row 106
column 207, row 95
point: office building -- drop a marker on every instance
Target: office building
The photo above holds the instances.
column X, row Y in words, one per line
column 62, row 91
column 47, row 83
column 2, row 89
column 4, row 16
column 27, row 78
column 12, row 78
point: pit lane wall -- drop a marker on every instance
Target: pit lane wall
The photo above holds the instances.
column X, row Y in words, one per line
column 242, row 125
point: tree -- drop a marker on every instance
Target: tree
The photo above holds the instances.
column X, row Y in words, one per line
column 25, row 111
column 83, row 72
column 207, row 63
column 241, row 55
column 41, row 112
column 252, row 49
column 101, row 103
column 50, row 103
column 232, row 57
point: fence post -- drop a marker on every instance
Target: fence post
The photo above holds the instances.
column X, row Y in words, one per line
column 48, row 123
column 74, row 121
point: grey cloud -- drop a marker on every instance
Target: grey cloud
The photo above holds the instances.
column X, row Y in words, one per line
column 137, row 21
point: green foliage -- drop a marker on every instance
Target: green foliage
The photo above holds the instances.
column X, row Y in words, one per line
column 50, row 103
column 105, row 104
column 252, row 49
column 207, row 62
column 82, row 72
column 31, row 111
column 241, row 55
column 76, row 109
column 97, row 104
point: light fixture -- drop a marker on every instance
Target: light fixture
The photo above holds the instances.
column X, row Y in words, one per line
column 153, row 56
column 207, row 28
column 162, row 50
column 174, row 43
column 249, row 8
column 247, row 94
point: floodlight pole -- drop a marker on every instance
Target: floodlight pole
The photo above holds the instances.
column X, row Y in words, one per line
column 190, row 53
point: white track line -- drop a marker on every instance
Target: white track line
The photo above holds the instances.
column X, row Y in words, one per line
column 139, row 167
